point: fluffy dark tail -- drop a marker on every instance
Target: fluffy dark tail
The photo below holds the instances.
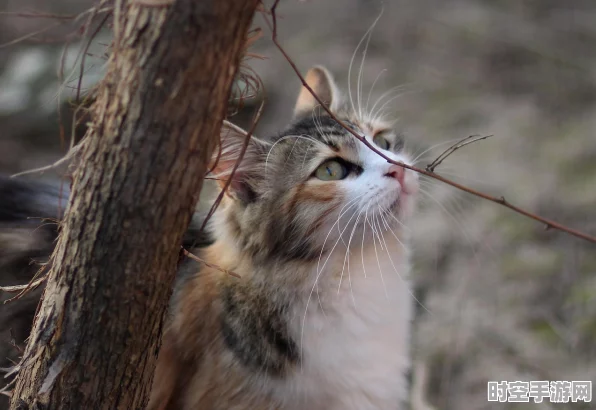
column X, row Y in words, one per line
column 29, row 212
column 29, row 215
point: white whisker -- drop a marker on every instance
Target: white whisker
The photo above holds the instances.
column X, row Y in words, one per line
column 363, row 232
column 372, row 89
column 374, row 230
column 359, row 81
column 385, row 95
column 346, row 258
column 393, row 264
column 306, row 137
column 349, row 205
column 366, row 34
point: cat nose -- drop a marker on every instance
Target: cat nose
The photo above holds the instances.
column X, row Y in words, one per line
column 397, row 172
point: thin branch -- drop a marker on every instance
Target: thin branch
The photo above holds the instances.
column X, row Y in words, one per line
column 71, row 152
column 209, row 265
column 30, row 35
column 498, row 200
column 22, row 290
column 87, row 45
column 236, row 165
column 61, row 20
column 39, row 15
column 460, row 144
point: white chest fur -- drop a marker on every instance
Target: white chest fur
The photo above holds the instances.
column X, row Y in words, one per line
column 354, row 335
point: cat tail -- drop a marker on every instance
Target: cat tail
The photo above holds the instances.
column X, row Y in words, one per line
column 30, row 212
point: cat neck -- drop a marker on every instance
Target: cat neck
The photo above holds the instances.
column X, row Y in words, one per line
column 344, row 269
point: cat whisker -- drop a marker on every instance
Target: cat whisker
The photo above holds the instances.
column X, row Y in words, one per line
column 456, row 221
column 359, row 81
column 291, row 151
column 364, row 37
column 387, row 212
column 341, row 213
column 372, row 89
column 379, row 113
column 373, row 113
column 339, row 230
column 320, row 302
column 388, row 228
column 363, row 232
column 395, row 268
column 319, row 270
column 375, row 233
column 306, row 137
column 349, row 205
column 316, row 119
column 346, row 258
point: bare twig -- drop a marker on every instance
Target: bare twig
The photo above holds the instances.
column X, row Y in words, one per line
column 61, row 21
column 87, row 45
column 498, row 200
column 22, row 290
column 39, row 15
column 30, row 35
column 236, row 165
column 209, row 265
column 460, row 144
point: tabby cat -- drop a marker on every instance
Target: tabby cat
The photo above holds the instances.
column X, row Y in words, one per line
column 314, row 225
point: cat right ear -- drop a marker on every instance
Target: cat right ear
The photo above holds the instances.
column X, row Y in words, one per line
column 225, row 157
column 322, row 83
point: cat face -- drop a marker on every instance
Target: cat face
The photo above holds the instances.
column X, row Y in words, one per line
column 296, row 194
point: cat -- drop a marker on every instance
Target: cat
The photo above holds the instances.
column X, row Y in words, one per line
column 303, row 298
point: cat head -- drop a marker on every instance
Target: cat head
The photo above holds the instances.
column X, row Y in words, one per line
column 294, row 195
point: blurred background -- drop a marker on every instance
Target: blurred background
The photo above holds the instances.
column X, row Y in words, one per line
column 500, row 297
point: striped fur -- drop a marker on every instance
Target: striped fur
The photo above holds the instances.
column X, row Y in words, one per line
column 298, row 330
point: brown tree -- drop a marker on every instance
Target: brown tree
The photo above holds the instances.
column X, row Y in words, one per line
column 158, row 113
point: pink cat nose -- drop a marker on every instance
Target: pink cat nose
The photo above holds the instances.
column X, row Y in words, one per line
column 397, row 172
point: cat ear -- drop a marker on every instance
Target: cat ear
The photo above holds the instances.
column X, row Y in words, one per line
column 322, row 83
column 225, row 157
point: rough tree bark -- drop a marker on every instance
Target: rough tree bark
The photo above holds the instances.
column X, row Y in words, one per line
column 96, row 336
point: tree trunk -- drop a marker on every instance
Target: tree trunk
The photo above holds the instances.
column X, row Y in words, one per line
column 159, row 110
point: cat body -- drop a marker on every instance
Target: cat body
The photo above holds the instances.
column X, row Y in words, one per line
column 319, row 317
column 352, row 354
column 301, row 298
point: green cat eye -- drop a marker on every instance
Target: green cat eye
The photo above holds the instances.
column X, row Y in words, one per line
column 381, row 142
column 331, row 170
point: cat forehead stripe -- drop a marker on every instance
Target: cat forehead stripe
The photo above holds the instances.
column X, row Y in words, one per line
column 324, row 129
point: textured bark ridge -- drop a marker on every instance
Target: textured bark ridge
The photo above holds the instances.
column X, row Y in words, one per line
column 96, row 336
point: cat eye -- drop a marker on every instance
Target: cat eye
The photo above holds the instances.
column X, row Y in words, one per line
column 331, row 170
column 381, row 141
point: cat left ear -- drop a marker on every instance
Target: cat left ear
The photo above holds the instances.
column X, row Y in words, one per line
column 232, row 140
column 322, row 83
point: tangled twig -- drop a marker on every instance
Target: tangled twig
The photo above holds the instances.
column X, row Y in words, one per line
column 550, row 224
column 236, row 165
column 209, row 265
column 460, row 144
